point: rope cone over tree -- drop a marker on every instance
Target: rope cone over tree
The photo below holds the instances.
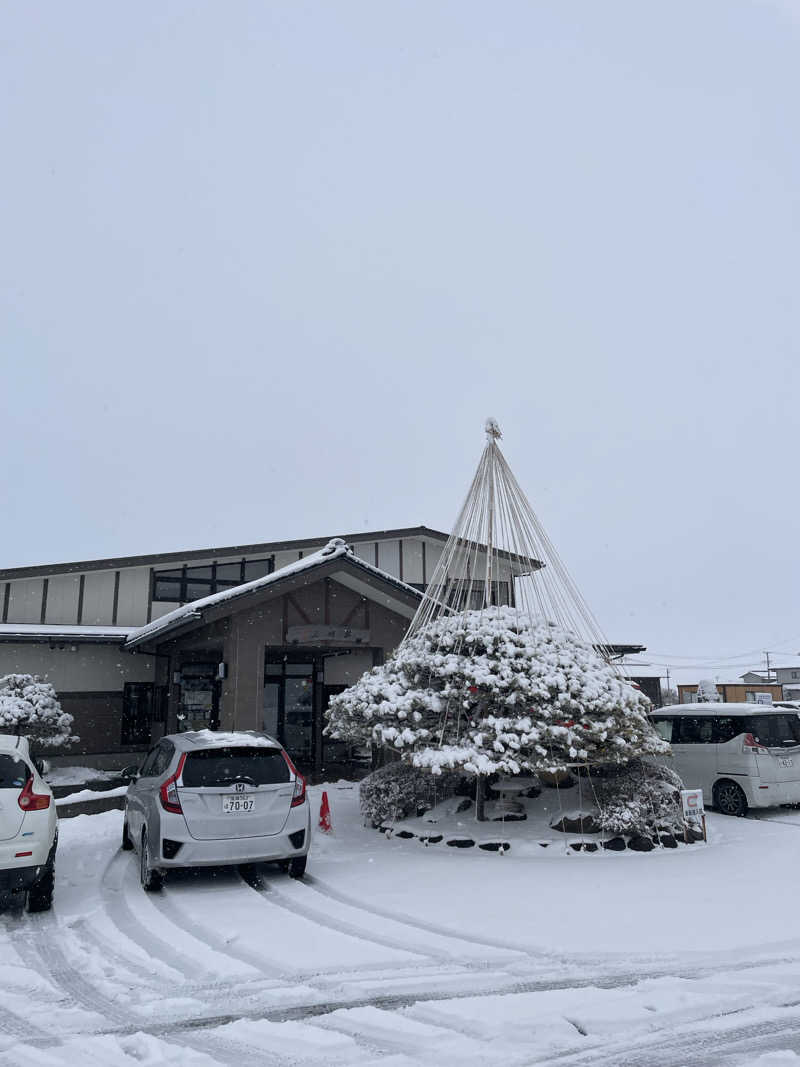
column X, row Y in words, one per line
column 504, row 668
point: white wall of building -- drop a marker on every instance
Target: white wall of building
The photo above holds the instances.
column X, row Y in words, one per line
column 134, row 593
column 98, row 598
column 77, row 668
column 25, row 600
column 62, row 598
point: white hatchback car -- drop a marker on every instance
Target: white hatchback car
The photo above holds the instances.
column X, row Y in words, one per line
column 28, row 826
column 741, row 755
column 206, row 799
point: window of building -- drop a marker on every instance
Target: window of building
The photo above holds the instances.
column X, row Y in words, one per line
column 462, row 594
column 182, row 584
column 137, row 713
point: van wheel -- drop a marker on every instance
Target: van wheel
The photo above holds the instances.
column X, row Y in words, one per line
column 151, row 878
column 729, row 798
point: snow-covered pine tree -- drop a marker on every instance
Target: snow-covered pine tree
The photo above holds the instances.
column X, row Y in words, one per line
column 29, row 706
column 707, row 692
column 488, row 690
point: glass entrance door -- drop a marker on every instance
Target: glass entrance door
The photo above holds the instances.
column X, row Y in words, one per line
column 298, row 716
column 289, row 706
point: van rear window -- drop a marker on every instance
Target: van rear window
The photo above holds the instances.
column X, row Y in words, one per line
column 775, row 731
column 223, row 766
column 14, row 772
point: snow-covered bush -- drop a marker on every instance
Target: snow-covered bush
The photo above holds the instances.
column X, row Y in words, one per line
column 707, row 692
column 639, row 798
column 489, row 692
column 29, row 706
column 398, row 790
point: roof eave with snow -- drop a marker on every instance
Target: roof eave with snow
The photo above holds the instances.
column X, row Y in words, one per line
column 336, row 549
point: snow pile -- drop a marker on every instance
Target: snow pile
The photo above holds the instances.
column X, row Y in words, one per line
column 490, row 691
column 73, row 775
column 29, row 706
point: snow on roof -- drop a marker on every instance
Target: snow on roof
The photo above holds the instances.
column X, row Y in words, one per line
column 221, row 738
column 336, row 548
column 55, row 630
column 715, row 707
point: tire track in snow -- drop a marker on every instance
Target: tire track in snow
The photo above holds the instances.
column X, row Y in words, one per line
column 42, row 952
column 431, row 928
column 168, row 906
column 289, row 903
column 18, row 1027
column 114, row 892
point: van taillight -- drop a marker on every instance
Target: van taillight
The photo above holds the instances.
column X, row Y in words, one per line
column 299, row 794
column 751, row 745
column 168, row 792
column 30, row 801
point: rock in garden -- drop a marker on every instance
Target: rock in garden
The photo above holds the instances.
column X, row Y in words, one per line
column 615, row 844
column 582, row 823
column 640, row 844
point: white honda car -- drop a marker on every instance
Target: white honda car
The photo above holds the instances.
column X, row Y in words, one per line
column 28, row 827
column 205, row 799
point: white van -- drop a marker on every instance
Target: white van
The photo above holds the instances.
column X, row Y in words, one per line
column 741, row 755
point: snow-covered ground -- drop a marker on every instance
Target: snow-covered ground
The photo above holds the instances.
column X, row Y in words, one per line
column 400, row 954
column 78, row 775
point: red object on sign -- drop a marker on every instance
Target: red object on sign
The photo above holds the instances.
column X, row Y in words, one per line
column 325, row 814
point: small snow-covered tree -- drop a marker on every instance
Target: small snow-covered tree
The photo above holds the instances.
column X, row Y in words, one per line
column 489, row 691
column 707, row 692
column 29, row 706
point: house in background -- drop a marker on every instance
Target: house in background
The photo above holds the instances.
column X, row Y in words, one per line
column 787, row 677
column 733, row 692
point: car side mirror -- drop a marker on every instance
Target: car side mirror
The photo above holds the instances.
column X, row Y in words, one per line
column 41, row 765
column 129, row 774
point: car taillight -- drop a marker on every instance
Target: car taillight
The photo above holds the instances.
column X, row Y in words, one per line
column 168, row 792
column 299, row 794
column 749, row 744
column 30, row 801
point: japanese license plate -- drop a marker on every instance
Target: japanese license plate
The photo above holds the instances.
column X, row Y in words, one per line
column 785, row 762
column 236, row 805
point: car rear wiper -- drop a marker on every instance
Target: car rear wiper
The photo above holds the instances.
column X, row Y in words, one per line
column 236, row 778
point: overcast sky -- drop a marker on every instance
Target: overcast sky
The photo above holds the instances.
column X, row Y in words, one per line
column 266, row 267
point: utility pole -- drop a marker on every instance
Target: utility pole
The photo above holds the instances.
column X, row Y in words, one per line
column 767, row 655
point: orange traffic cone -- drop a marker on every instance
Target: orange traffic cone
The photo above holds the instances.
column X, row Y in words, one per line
column 325, row 814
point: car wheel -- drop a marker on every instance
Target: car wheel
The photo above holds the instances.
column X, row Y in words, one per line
column 297, row 866
column 729, row 798
column 151, row 878
column 127, row 844
column 40, row 895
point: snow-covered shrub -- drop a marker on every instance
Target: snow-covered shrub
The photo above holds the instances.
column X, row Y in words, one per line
column 29, row 706
column 487, row 691
column 639, row 798
column 398, row 790
column 707, row 692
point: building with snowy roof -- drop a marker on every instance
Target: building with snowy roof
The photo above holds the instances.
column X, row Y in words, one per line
column 256, row 636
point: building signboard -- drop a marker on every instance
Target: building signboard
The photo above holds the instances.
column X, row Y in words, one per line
column 320, row 634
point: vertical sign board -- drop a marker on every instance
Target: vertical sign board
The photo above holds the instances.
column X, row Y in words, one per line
column 693, row 810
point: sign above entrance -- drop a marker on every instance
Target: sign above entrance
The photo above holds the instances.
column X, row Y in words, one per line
column 316, row 634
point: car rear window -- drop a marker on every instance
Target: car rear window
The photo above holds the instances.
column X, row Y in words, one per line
column 222, row 766
column 14, row 772
column 775, row 731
